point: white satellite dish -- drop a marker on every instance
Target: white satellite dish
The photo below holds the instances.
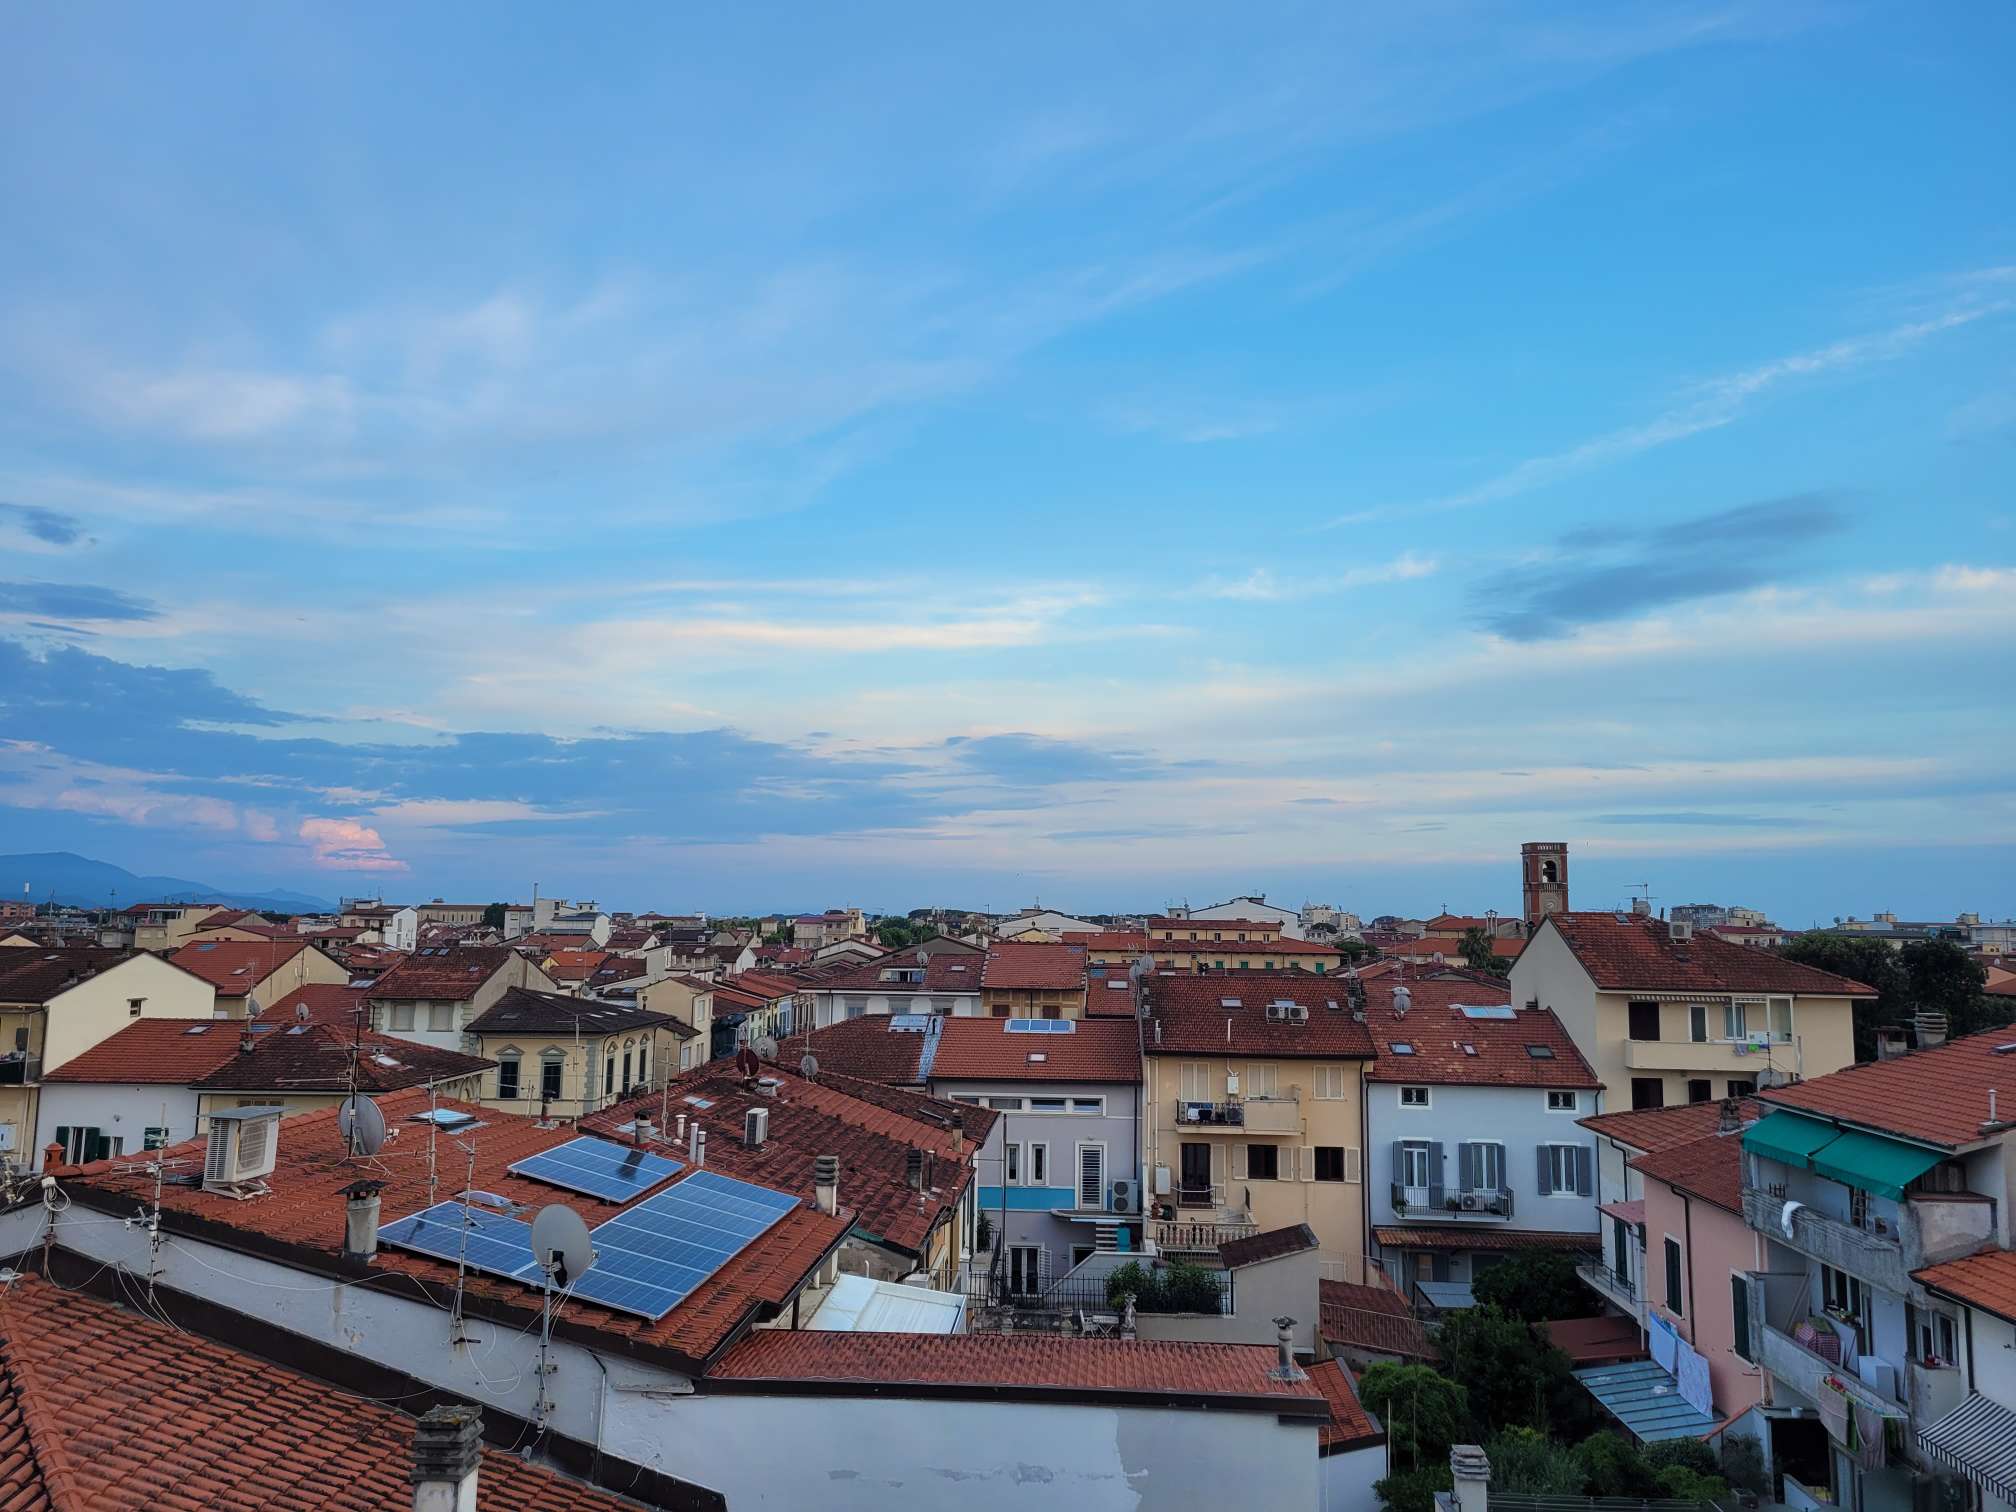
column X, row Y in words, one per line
column 766, row 1047
column 809, row 1066
column 560, row 1244
column 362, row 1125
column 301, row 1013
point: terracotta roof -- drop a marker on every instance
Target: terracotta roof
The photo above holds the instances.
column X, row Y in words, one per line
column 1451, row 1048
column 250, row 924
column 1632, row 1213
column 986, row 1049
column 109, row 1410
column 1223, row 927
column 163, row 1052
column 522, row 1011
column 766, row 984
column 327, row 1003
column 943, row 972
column 1029, row 967
column 1629, row 953
column 1204, row 1374
column 38, row 974
column 1986, row 1281
column 574, row 965
column 1456, row 1237
column 1710, row 1168
column 235, row 967
column 617, row 969
column 1270, row 1245
column 1194, row 1018
column 1372, row 1320
column 2000, row 983
column 316, row 1058
column 448, row 975
column 866, row 1047
column 1937, row 1096
column 1650, row 1129
column 304, row 1211
column 1109, row 939
column 1349, row 1425
column 1606, row 1340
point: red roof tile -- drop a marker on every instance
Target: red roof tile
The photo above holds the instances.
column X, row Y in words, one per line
column 1116, row 940
column 865, row 1047
column 1628, row 953
column 106, row 1409
column 449, row 975
column 1371, row 1320
column 1710, row 1168
column 1194, row 1019
column 1254, row 1249
column 943, row 972
column 986, row 1049
column 326, row 1002
column 574, row 965
column 1213, row 1374
column 1457, row 1237
column 1451, row 1048
column 1649, row 1129
column 154, row 1052
column 1986, row 1281
column 1938, row 1096
column 31, row 974
column 1349, row 1425
column 316, row 1058
column 235, row 967
column 1226, row 929
column 1031, row 967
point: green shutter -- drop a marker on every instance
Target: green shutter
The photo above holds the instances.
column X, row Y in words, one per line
column 1739, row 1312
column 61, row 1137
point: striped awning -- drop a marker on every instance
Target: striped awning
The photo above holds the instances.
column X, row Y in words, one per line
column 1977, row 1438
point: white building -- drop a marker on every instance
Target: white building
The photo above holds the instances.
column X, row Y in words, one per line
column 401, row 929
column 1254, row 906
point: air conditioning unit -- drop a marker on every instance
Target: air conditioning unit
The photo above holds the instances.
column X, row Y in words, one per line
column 243, row 1145
column 1680, row 930
column 1501, row 1203
column 1126, row 1197
column 1472, row 1202
column 1277, row 1013
column 1298, row 1013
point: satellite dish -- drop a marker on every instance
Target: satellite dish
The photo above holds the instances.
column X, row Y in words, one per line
column 809, row 1066
column 362, row 1125
column 746, row 1063
column 766, row 1048
column 560, row 1244
column 301, row 1013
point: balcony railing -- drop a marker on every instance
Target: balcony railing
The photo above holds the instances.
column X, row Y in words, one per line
column 1928, row 1229
column 1195, row 1237
column 20, row 1070
column 1807, row 1373
column 1419, row 1202
column 1613, row 1285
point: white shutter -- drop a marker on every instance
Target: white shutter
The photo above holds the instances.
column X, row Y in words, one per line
column 1239, row 1162
column 1217, row 1162
column 1308, row 1162
column 1354, row 1164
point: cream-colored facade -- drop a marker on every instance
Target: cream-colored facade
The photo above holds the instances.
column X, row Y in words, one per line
column 457, row 914
column 690, row 1000
column 459, row 1088
column 50, row 1034
column 167, row 929
column 1708, row 1045
column 562, row 1076
column 1213, row 1181
column 1033, row 1002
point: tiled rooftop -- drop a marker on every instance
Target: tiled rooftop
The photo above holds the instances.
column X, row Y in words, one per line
column 1649, row 1129
column 1986, row 1281
column 943, row 972
column 450, row 974
column 235, row 967
column 1031, row 967
column 154, row 1052
column 1631, row 953
column 523, row 1011
column 1371, row 1319
column 1452, row 1048
column 1232, row 1375
column 316, row 1058
column 106, row 1410
column 1349, row 1425
column 1295, row 1239
column 1456, row 1237
column 1227, row 930
column 1710, row 1168
column 30, row 974
column 986, row 1049
column 1939, row 1096
column 1227, row 1015
column 866, row 1047
column 326, row 1002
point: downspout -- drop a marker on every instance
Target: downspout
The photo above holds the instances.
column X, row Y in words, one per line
column 1687, row 1228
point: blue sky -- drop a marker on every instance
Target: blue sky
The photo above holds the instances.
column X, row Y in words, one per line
column 787, row 458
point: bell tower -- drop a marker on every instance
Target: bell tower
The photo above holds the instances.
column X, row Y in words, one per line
column 1544, row 868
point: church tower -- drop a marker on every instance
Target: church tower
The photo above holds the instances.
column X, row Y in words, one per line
column 1544, row 864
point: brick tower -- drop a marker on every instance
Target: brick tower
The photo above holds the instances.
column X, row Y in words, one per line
column 1544, row 868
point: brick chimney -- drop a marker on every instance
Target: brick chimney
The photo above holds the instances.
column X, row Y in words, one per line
column 447, row 1449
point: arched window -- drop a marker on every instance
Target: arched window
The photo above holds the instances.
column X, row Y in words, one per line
column 644, row 1062
column 552, row 1066
column 509, row 1061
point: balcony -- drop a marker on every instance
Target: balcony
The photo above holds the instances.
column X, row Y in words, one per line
column 1726, row 1057
column 1248, row 1115
column 1614, row 1287
column 1930, row 1228
column 1418, row 1203
column 1806, row 1372
column 20, row 1070
column 1187, row 1236
column 1935, row 1390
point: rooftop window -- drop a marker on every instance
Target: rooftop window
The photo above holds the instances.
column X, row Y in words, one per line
column 1540, row 1052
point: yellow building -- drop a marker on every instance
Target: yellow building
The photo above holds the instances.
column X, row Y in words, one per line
column 1254, row 1116
column 690, row 1000
column 261, row 971
column 1019, row 980
column 1668, row 1016
column 164, row 927
column 1219, row 945
column 563, row 1057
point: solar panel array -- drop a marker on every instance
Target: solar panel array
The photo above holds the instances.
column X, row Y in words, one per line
column 600, row 1167
column 648, row 1259
column 1040, row 1026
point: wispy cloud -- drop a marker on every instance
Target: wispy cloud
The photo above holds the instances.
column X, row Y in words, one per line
column 1263, row 585
column 72, row 601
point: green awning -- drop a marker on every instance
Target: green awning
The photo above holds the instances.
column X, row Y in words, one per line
column 1791, row 1138
column 1874, row 1163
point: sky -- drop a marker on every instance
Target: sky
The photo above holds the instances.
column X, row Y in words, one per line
column 913, row 456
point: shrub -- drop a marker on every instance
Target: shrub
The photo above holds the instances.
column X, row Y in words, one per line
column 1527, row 1462
column 1134, row 1278
column 1190, row 1288
column 1423, row 1410
column 1413, row 1490
column 1743, row 1464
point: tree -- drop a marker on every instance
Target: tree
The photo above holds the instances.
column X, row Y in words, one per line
column 493, row 916
column 1946, row 979
column 1528, row 1463
column 1478, row 954
column 1423, row 1410
column 897, row 933
column 1934, row 975
column 1353, row 950
column 1414, row 1490
column 1615, row 1467
column 1512, row 1377
column 1538, row 1286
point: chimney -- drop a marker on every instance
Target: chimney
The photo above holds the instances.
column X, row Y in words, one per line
column 1470, row 1473
column 646, row 1130
column 1285, row 1368
column 360, row 1219
column 447, row 1449
column 696, row 1144
column 826, row 1183
column 679, row 1128
column 958, row 1132
column 913, row 1169
column 1731, row 1117
column 52, row 1156
column 755, row 1128
column 245, row 1040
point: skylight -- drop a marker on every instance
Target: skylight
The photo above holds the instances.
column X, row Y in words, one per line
column 1540, row 1052
column 1115, row 984
column 1469, row 1049
column 1229, row 1003
column 1488, row 1011
column 1401, row 1047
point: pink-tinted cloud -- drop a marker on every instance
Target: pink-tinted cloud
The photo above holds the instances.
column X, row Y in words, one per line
column 346, row 845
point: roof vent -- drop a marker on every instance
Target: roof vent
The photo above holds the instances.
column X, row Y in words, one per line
column 244, row 1143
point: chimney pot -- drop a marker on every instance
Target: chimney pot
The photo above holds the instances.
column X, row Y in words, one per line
column 1470, row 1475
column 360, row 1221
column 826, row 1183
column 1285, row 1368
column 447, row 1449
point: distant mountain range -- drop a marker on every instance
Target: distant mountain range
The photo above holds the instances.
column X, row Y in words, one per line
column 62, row 877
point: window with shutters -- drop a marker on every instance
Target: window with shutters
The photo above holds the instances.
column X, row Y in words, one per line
column 441, row 1017
column 1263, row 1162
column 1566, row 1170
column 1484, row 1167
column 1673, row 1298
column 1414, row 1168
column 1263, row 1080
column 1329, row 1162
column 1194, row 1081
column 402, row 1018
column 1330, row 1083
column 1092, row 1176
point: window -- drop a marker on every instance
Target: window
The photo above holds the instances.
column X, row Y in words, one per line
column 1567, row 1170
column 1779, row 1019
column 1093, row 1105
column 441, row 1017
column 1740, row 1087
column 1049, row 1105
column 1051, row 1011
column 1402, row 1047
column 507, row 1075
column 1700, row 1089
column 999, row 1010
column 1414, row 1165
column 1092, row 1176
column 1482, row 1166
column 1013, row 1175
column 628, row 1053
column 1648, row 1092
column 1329, row 1162
column 1564, row 1102
column 1697, row 1023
column 1936, row 1338
column 155, row 1138
column 550, row 1067
column 1193, row 1081
column 1263, row 1162
column 1263, row 1080
column 1413, row 1097
column 608, row 1073
column 1843, row 1298
column 644, row 1062
column 1330, row 1083
column 134, row 1005
column 402, row 1018
column 1673, row 1277
column 1644, row 1021
column 1039, row 1164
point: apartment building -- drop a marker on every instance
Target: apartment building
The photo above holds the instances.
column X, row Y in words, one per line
column 435, row 994
column 249, row 974
column 1032, row 981
column 564, row 1056
column 1254, row 1113
column 909, row 981
column 1665, row 1015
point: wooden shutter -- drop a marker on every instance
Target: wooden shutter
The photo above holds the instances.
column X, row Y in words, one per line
column 1466, row 1167
column 1218, row 1162
column 1435, row 1173
column 1308, row 1162
column 1585, row 1171
column 1354, row 1164
column 1739, row 1313
column 1399, row 1162
column 1091, row 1176
column 1546, row 1171
column 1239, row 1160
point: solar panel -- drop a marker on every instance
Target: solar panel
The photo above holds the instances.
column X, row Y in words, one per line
column 492, row 1243
column 649, row 1257
column 599, row 1167
column 1039, row 1026
column 1489, row 1011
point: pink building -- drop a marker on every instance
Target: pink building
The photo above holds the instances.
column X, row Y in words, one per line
column 1696, row 1249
